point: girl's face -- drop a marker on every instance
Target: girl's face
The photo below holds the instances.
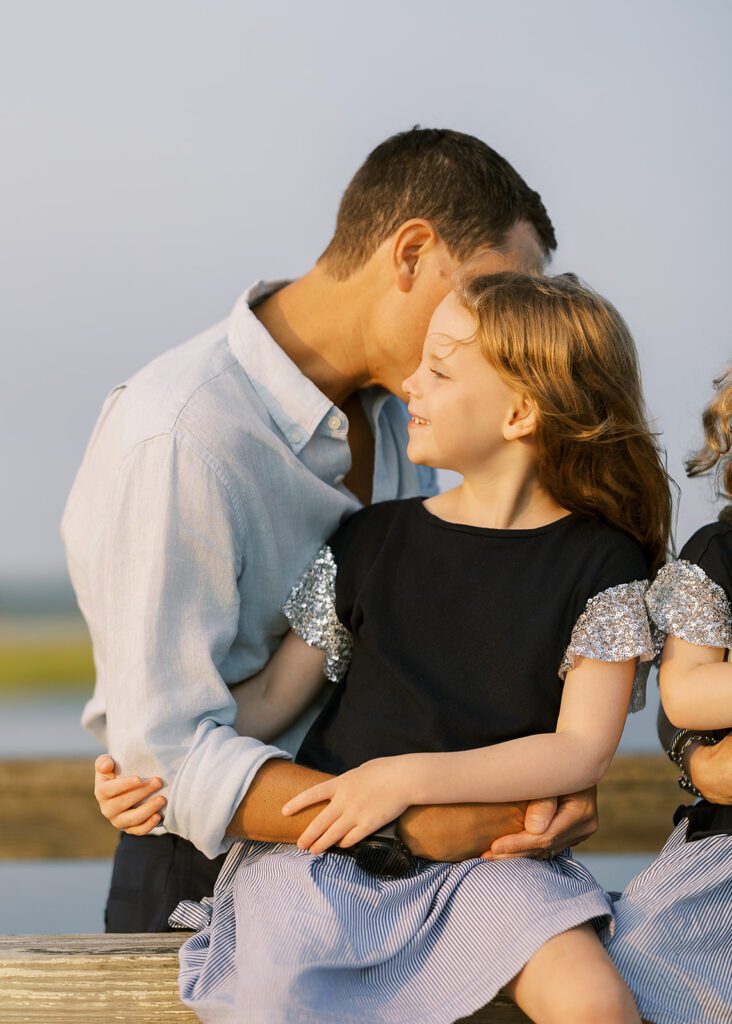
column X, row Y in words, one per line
column 463, row 415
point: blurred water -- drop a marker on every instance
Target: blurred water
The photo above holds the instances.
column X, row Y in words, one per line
column 46, row 897
column 45, row 725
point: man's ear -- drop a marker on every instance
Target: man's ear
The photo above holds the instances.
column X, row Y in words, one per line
column 411, row 242
column 522, row 418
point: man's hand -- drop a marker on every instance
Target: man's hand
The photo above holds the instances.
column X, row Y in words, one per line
column 127, row 802
column 550, row 827
column 710, row 769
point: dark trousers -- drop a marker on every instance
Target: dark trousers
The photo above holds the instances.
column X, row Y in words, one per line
column 151, row 875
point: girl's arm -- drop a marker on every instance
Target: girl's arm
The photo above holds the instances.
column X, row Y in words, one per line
column 270, row 701
column 696, row 685
column 593, row 710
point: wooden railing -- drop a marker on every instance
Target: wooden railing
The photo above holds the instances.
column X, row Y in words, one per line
column 47, row 810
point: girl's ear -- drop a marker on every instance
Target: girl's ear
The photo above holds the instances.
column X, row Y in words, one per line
column 521, row 420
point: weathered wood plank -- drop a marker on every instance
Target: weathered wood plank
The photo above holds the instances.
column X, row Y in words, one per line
column 115, row 979
column 84, row 978
column 47, row 809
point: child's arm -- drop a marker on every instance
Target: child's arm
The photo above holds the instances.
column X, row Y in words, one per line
column 593, row 711
column 696, row 685
column 270, row 701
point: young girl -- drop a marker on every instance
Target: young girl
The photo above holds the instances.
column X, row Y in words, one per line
column 673, row 941
column 488, row 643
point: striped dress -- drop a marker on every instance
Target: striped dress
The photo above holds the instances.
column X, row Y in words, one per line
column 396, row 600
column 672, row 940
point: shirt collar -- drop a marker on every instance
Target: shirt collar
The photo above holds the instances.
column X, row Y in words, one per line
column 295, row 404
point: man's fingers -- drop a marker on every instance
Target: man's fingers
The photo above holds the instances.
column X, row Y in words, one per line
column 131, row 790
column 524, row 844
column 532, row 854
column 133, row 801
column 139, row 818
column 104, row 765
column 539, row 815
column 145, row 828
column 129, row 784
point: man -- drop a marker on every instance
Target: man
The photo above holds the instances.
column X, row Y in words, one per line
column 216, row 472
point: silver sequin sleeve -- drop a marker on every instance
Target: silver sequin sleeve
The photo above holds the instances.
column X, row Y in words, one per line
column 310, row 610
column 614, row 627
column 686, row 603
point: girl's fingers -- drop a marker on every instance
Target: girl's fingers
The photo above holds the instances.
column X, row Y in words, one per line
column 318, row 826
column 112, row 809
column 354, row 836
column 314, row 795
column 331, row 836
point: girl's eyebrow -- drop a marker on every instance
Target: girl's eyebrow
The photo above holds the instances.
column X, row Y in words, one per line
column 445, row 339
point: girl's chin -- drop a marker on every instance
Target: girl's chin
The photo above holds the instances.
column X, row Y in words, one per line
column 419, row 455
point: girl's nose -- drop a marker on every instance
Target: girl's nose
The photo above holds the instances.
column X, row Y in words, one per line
column 408, row 385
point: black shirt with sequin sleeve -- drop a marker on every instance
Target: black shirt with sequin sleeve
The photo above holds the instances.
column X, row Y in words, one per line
column 461, row 636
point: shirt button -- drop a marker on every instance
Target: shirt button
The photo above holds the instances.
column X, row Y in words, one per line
column 294, row 436
column 334, row 423
column 339, row 479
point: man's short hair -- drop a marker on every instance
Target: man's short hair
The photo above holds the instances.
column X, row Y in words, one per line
column 468, row 192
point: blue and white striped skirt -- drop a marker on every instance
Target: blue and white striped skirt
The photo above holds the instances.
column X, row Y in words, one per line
column 672, row 940
column 298, row 939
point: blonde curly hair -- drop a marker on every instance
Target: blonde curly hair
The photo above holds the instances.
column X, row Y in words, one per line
column 715, row 454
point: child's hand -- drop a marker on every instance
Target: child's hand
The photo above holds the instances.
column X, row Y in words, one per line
column 126, row 802
column 359, row 802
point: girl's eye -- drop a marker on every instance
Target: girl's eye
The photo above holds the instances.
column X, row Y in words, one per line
column 436, row 373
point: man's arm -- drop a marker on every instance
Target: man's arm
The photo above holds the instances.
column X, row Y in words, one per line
column 166, row 572
column 436, row 832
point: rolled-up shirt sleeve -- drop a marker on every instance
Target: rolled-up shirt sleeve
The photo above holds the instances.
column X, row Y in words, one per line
column 173, row 552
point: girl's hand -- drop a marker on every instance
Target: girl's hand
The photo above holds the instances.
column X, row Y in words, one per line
column 359, row 802
column 127, row 802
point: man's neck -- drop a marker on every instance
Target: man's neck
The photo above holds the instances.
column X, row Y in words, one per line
column 320, row 323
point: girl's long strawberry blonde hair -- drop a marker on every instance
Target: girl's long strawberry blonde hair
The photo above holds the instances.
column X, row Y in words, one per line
column 569, row 350
column 716, row 454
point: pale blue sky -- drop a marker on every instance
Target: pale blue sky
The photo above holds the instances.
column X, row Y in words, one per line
column 158, row 157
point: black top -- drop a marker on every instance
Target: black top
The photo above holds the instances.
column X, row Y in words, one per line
column 459, row 631
column 711, row 549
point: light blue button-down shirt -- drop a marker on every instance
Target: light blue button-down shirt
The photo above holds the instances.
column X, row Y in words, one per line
column 211, row 479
